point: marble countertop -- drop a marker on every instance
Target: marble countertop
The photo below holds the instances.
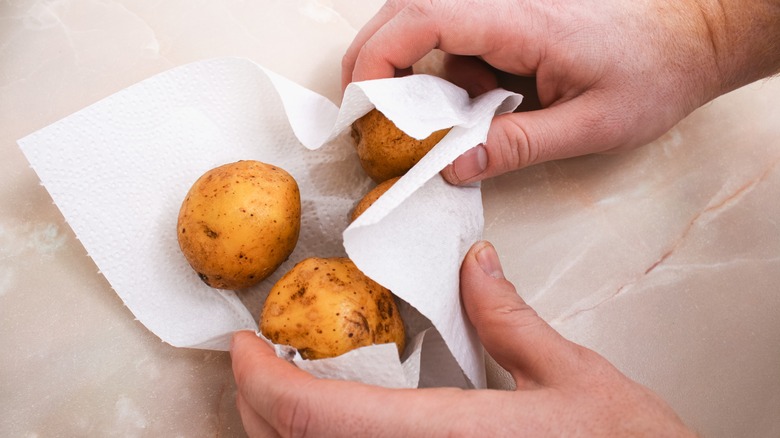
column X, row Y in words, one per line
column 666, row 259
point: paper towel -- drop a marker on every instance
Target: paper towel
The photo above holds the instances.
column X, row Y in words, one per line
column 120, row 168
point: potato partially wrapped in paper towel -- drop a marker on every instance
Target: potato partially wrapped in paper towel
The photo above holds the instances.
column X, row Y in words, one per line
column 325, row 307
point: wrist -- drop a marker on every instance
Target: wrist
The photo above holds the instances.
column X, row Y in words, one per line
column 744, row 36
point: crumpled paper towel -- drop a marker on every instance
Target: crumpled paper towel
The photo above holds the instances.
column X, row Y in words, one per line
column 119, row 169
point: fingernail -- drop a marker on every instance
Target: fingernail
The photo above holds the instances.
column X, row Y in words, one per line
column 488, row 261
column 471, row 163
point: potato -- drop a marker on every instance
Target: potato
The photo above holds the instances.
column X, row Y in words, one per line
column 325, row 307
column 384, row 150
column 371, row 197
column 239, row 222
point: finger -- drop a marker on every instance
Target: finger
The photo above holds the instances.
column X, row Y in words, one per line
column 398, row 44
column 253, row 361
column 510, row 330
column 420, row 26
column 470, row 73
column 576, row 127
column 254, row 425
column 294, row 403
column 385, row 13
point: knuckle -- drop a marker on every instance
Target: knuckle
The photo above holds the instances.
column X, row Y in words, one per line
column 602, row 127
column 512, row 314
column 422, row 8
column 589, row 365
column 520, row 316
column 515, row 148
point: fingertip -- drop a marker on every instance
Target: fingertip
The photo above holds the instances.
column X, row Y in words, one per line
column 376, row 62
column 391, row 49
column 468, row 167
column 235, row 340
column 507, row 148
column 510, row 330
column 349, row 60
column 242, row 339
column 481, row 267
column 487, row 259
column 261, row 377
column 449, row 175
column 249, row 352
column 479, row 271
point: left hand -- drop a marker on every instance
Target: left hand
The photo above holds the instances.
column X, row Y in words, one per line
column 563, row 389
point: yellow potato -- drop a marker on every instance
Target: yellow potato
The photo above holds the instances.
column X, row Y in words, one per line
column 239, row 222
column 325, row 307
column 371, row 197
column 384, row 150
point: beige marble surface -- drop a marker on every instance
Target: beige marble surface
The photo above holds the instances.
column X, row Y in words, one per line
column 666, row 259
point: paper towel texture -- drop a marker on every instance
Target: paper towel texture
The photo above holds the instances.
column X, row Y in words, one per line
column 120, row 168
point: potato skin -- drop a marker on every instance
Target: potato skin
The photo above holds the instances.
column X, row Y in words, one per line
column 239, row 222
column 371, row 197
column 384, row 150
column 325, row 307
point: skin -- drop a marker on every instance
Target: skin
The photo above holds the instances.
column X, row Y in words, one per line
column 609, row 75
column 563, row 389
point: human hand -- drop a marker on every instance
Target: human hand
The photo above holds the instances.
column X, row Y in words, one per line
column 610, row 74
column 563, row 389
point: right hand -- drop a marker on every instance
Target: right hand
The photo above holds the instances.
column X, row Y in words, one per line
column 610, row 74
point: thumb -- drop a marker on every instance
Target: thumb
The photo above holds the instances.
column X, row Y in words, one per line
column 516, row 140
column 510, row 330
